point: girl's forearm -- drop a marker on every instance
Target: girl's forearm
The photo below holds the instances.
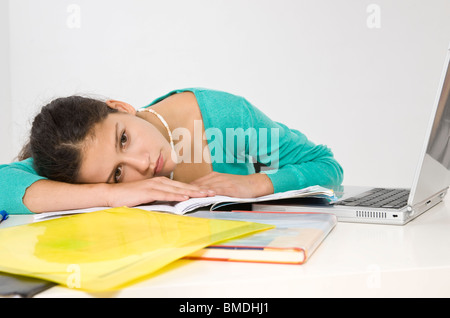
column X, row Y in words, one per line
column 48, row 195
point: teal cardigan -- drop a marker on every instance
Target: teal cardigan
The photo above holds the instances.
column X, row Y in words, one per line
column 240, row 139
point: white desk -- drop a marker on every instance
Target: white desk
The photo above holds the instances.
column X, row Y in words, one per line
column 356, row 260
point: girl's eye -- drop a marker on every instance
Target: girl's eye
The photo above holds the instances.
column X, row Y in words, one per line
column 118, row 174
column 123, row 139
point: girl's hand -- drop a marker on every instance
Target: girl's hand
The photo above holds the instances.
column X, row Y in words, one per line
column 247, row 186
column 150, row 190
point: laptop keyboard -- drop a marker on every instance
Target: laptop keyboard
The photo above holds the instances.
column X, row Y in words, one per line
column 379, row 198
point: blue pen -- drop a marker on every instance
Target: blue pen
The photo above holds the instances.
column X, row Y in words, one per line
column 3, row 215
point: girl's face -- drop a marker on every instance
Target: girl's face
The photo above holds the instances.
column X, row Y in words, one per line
column 125, row 148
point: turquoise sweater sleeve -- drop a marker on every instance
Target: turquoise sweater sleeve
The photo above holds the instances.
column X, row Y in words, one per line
column 15, row 178
column 291, row 160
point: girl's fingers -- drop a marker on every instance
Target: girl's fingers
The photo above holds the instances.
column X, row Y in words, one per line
column 160, row 195
column 185, row 189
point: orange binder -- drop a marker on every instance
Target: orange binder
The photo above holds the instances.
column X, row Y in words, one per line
column 295, row 237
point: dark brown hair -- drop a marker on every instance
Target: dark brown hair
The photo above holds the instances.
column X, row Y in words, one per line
column 58, row 133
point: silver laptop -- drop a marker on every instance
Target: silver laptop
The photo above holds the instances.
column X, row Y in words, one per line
column 395, row 206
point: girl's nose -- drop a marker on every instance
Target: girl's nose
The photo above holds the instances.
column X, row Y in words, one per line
column 141, row 163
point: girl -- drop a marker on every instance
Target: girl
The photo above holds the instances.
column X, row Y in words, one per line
column 189, row 143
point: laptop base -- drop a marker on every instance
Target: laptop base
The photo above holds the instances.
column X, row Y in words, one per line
column 355, row 214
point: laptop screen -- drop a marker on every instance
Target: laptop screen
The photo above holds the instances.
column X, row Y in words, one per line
column 438, row 146
column 433, row 174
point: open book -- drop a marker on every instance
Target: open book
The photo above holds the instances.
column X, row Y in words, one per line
column 219, row 201
column 215, row 202
column 295, row 237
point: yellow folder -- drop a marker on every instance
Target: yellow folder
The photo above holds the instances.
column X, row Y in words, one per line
column 107, row 249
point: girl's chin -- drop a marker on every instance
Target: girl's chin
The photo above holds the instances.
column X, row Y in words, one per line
column 169, row 167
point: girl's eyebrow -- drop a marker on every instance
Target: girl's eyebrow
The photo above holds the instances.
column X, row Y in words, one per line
column 116, row 130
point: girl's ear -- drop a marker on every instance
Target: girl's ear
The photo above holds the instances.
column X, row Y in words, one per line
column 121, row 106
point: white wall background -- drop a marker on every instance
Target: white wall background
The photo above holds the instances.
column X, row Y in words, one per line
column 361, row 81
column 5, row 87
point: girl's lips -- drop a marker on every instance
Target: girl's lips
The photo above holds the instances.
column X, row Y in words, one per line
column 159, row 164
